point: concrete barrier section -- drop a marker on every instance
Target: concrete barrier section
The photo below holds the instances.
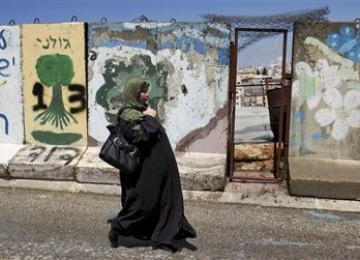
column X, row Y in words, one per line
column 11, row 102
column 187, row 65
column 91, row 169
column 45, row 79
column 201, row 171
column 46, row 162
column 324, row 152
column 54, row 83
column 7, row 152
column 198, row 171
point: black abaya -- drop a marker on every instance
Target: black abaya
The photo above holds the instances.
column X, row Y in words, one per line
column 152, row 198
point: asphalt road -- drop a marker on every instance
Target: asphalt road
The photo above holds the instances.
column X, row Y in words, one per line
column 53, row 225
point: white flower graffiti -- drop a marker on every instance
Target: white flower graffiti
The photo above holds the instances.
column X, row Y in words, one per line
column 312, row 84
column 329, row 87
column 342, row 112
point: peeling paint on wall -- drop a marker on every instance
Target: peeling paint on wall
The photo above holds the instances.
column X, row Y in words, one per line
column 11, row 107
column 54, row 83
column 199, row 53
column 187, row 65
column 117, row 51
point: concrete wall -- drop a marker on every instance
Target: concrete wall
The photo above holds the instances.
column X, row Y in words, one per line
column 54, row 83
column 325, row 111
column 186, row 63
column 59, row 104
column 11, row 105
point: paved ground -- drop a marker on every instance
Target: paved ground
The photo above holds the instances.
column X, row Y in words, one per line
column 252, row 124
column 37, row 224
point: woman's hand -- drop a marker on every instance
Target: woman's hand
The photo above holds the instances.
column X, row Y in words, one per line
column 150, row 112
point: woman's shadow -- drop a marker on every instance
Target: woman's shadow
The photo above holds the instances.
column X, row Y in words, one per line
column 130, row 242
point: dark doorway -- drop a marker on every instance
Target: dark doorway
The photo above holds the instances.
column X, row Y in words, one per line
column 258, row 108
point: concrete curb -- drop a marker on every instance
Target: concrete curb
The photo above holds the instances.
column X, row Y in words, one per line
column 266, row 200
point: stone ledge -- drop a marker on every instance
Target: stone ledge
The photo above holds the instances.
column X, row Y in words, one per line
column 91, row 169
column 198, row 171
column 211, row 180
column 325, row 189
column 62, row 186
column 324, row 178
column 256, row 188
column 7, row 152
column 202, row 171
column 46, row 162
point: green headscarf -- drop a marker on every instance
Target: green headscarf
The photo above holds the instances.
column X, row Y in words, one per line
column 130, row 98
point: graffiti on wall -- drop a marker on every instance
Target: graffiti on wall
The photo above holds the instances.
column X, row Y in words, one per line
column 186, row 63
column 116, row 55
column 43, row 154
column 326, row 91
column 46, row 162
column 6, row 123
column 54, row 84
column 51, row 42
column 11, row 125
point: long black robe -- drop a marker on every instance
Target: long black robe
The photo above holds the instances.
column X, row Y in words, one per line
column 152, row 202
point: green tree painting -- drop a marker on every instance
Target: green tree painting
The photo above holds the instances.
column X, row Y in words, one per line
column 55, row 71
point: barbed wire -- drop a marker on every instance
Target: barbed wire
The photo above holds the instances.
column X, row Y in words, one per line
column 277, row 21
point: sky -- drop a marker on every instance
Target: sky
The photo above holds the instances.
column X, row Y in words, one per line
column 52, row 11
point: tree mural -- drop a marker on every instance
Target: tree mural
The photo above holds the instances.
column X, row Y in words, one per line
column 55, row 71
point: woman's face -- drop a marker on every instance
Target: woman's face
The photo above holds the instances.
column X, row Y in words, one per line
column 144, row 95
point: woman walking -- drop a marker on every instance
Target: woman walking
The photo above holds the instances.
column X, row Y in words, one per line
column 152, row 202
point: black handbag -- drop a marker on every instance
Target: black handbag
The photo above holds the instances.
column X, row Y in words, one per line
column 119, row 153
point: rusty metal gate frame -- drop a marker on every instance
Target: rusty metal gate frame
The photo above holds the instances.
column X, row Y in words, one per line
column 280, row 148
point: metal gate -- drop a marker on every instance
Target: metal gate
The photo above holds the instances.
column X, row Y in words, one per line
column 278, row 104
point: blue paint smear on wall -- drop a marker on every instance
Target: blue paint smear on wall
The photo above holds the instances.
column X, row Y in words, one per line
column 6, row 123
column 318, row 136
column 303, row 149
column 114, row 43
column 299, row 116
column 200, row 47
column 185, row 44
column 182, row 42
column 166, row 45
column 294, row 141
column 223, row 56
